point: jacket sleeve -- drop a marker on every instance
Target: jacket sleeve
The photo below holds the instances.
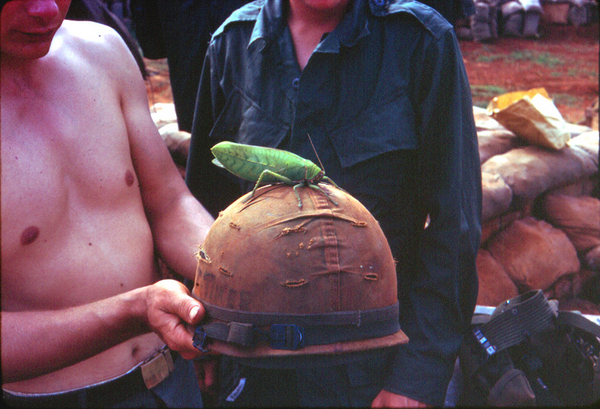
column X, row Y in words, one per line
column 438, row 297
column 208, row 183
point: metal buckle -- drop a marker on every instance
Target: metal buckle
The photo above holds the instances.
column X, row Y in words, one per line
column 158, row 368
column 287, row 336
column 200, row 339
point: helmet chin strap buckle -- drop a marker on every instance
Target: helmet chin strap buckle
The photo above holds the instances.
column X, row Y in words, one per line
column 201, row 339
column 286, row 336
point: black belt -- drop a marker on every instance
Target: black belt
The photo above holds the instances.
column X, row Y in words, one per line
column 142, row 377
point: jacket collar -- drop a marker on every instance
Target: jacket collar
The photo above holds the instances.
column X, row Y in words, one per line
column 272, row 19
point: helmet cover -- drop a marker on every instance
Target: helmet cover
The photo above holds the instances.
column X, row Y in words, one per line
column 281, row 280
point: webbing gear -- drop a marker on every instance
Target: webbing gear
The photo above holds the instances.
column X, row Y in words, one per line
column 514, row 320
column 293, row 332
column 527, row 352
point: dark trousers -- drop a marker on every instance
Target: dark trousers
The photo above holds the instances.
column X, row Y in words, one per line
column 180, row 389
column 348, row 384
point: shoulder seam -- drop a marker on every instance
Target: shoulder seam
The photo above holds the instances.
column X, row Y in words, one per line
column 245, row 14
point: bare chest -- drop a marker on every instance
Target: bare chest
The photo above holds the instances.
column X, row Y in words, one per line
column 67, row 184
column 51, row 149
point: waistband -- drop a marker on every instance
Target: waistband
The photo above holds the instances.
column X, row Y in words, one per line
column 140, row 378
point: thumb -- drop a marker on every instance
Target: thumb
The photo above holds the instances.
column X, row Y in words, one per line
column 195, row 312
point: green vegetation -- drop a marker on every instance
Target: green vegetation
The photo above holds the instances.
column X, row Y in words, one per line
column 582, row 72
column 565, row 99
column 483, row 94
column 545, row 59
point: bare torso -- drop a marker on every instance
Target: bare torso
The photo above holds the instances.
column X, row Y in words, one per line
column 73, row 223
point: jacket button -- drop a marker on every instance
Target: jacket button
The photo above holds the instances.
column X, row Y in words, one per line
column 296, row 83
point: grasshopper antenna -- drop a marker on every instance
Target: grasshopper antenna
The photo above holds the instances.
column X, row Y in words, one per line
column 315, row 151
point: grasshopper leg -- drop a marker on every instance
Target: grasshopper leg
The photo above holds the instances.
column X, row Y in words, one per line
column 324, row 193
column 298, row 195
column 331, row 182
column 274, row 177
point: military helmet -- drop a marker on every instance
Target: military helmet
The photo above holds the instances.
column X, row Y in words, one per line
column 283, row 275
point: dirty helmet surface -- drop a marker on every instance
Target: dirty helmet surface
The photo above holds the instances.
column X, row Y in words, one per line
column 280, row 280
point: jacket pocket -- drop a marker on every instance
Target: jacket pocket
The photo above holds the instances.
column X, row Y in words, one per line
column 379, row 129
column 244, row 121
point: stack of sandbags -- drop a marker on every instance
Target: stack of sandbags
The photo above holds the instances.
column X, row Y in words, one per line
column 520, row 17
column 540, row 221
column 496, row 142
column 579, row 218
column 484, row 23
column 534, row 254
column 495, row 286
column 576, row 12
column 531, row 170
column 484, row 122
column 556, row 11
column 530, row 254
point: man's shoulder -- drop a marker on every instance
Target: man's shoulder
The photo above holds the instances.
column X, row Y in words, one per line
column 88, row 36
column 426, row 16
column 247, row 14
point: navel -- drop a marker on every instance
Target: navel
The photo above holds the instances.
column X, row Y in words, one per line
column 29, row 235
column 129, row 179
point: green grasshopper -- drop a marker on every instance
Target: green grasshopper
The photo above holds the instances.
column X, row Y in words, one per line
column 269, row 165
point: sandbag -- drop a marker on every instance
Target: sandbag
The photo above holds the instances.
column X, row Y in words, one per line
column 534, row 254
column 496, row 195
column 484, row 24
column 531, row 170
column 587, row 186
column 582, row 280
column 578, row 217
column 483, row 120
column 587, row 142
column 512, row 17
column 495, row 285
column 571, row 285
column 581, row 305
column 489, row 228
column 592, row 258
column 561, row 289
column 495, row 142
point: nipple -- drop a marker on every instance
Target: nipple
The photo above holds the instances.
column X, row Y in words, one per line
column 129, row 179
column 29, row 235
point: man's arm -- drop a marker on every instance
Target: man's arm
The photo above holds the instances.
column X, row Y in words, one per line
column 38, row 342
column 437, row 307
column 179, row 222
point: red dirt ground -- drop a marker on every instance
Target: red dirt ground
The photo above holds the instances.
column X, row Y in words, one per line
column 563, row 60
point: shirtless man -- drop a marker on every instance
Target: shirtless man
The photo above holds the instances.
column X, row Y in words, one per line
column 89, row 197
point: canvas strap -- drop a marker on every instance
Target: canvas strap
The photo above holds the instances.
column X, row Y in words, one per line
column 295, row 331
